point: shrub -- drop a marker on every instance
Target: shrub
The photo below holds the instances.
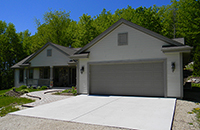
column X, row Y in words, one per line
column 44, row 87
column 195, row 85
column 57, row 93
column 189, row 66
column 23, row 87
column 66, row 91
column 24, row 91
column 74, row 91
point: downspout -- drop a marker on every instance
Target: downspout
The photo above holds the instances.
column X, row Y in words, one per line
column 77, row 76
column 181, row 75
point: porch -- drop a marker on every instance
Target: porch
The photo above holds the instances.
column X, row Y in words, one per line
column 55, row 76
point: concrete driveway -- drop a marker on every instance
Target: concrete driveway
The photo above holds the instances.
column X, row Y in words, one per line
column 117, row 111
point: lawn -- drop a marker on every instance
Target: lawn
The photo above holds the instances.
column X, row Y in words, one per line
column 8, row 103
column 4, row 91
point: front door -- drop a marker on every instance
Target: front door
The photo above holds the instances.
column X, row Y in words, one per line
column 64, row 76
column 61, row 76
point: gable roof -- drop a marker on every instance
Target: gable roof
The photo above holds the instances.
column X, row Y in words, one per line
column 65, row 50
column 140, row 28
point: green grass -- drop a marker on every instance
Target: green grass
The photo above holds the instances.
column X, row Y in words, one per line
column 190, row 123
column 4, row 91
column 7, row 104
column 8, row 109
column 7, row 100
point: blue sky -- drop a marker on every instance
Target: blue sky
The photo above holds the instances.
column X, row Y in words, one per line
column 22, row 13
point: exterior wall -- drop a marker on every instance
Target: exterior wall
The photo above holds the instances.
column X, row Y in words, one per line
column 57, row 59
column 174, row 79
column 83, row 78
column 140, row 47
column 16, row 80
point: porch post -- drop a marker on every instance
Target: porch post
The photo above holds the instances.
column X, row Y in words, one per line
column 25, row 75
column 51, row 76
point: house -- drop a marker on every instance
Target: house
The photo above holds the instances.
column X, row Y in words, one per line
column 49, row 66
column 128, row 59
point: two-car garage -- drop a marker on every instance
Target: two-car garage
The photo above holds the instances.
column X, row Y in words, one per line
column 127, row 78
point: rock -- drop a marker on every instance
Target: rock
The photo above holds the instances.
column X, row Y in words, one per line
column 14, row 93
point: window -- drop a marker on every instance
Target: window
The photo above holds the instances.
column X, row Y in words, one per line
column 30, row 73
column 21, row 75
column 44, row 73
column 123, row 39
column 49, row 52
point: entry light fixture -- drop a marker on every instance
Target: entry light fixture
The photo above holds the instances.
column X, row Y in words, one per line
column 82, row 69
column 173, row 66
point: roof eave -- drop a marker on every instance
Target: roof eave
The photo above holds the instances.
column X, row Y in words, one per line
column 79, row 56
column 182, row 49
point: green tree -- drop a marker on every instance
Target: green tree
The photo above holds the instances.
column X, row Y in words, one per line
column 85, row 30
column 10, row 53
column 103, row 21
column 54, row 29
column 25, row 40
column 189, row 27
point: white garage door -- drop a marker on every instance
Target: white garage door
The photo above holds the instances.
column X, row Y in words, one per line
column 144, row 79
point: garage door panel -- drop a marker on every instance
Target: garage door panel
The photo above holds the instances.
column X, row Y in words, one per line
column 146, row 79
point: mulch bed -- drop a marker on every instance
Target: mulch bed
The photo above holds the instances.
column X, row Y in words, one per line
column 65, row 94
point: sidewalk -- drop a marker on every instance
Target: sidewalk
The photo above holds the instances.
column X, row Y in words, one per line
column 44, row 98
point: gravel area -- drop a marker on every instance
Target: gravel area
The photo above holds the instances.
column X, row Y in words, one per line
column 182, row 118
column 13, row 122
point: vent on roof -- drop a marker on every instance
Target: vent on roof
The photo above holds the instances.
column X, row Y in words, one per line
column 123, row 38
column 49, row 52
